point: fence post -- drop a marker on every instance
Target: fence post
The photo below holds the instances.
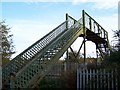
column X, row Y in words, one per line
column 116, row 79
column 83, row 75
column 103, row 79
column 97, row 78
column 112, row 78
column 90, row 78
column 80, row 72
column 94, row 78
column 78, row 79
column 87, row 77
column 108, row 76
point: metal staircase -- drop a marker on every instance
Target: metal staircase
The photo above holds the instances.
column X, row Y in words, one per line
column 97, row 34
column 28, row 68
column 29, row 54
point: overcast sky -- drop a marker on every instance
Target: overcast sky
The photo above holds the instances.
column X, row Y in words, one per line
column 32, row 19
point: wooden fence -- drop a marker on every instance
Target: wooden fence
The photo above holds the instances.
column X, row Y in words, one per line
column 97, row 79
column 58, row 69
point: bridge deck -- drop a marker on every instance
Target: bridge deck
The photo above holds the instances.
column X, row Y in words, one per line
column 94, row 37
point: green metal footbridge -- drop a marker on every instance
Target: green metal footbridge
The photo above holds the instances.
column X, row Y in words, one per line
column 28, row 68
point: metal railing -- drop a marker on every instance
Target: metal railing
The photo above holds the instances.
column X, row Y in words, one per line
column 22, row 59
column 23, row 79
column 92, row 25
column 28, row 64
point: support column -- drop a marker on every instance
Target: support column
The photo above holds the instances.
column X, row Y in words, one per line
column 96, row 56
column 67, row 29
column 67, row 57
column 84, row 31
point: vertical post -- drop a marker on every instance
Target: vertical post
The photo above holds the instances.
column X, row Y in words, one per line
column 116, row 79
column 66, row 21
column 67, row 29
column 78, row 84
column 84, row 31
column 80, row 79
column 97, row 78
column 83, row 80
column 112, row 75
column 110, row 49
column 96, row 56
column 87, row 78
column 94, row 27
column 90, row 78
column 67, row 49
column 104, row 71
column 65, row 68
column 101, row 74
column 74, row 21
column 90, row 23
column 94, row 75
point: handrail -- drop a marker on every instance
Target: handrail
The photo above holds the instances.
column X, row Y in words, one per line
column 76, row 25
column 65, row 36
column 100, row 29
column 37, row 42
column 31, row 51
column 71, row 21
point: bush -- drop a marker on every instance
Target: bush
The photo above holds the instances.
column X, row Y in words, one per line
column 68, row 80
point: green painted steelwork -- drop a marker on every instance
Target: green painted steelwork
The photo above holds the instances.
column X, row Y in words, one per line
column 22, row 60
column 102, row 46
column 84, row 31
column 35, row 62
column 33, row 71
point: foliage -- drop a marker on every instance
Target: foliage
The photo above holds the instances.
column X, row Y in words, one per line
column 114, row 57
column 117, row 38
column 74, row 57
column 112, row 61
column 68, row 79
column 49, row 83
column 7, row 43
